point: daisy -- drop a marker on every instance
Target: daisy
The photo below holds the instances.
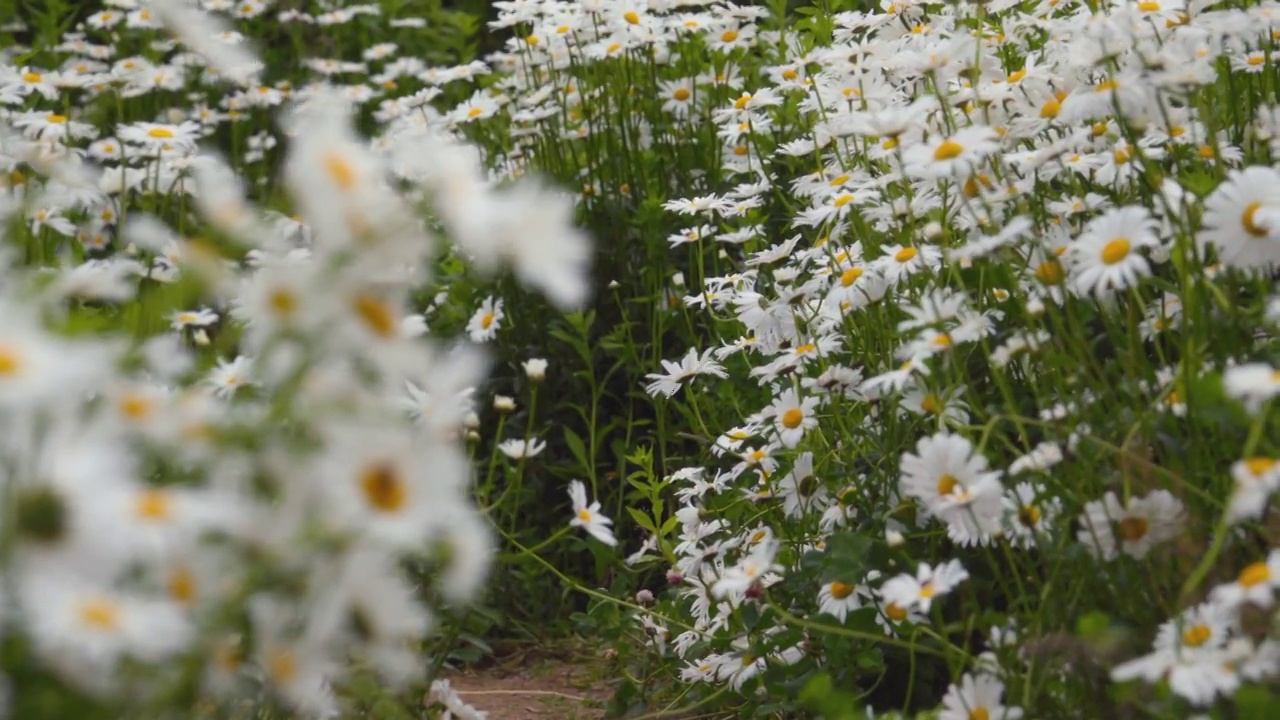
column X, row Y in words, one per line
column 954, row 485
column 521, row 449
column 749, row 570
column 192, row 319
column 1252, row 383
column 1109, row 528
column 1029, row 514
column 1256, row 479
column 1240, row 219
column 1106, row 258
column 588, row 517
column 977, row 696
column 838, row 598
column 918, row 592
column 1255, row 584
column 801, row 491
column 679, row 374
column 485, row 323
column 949, row 156
column 903, row 261
column 86, row 629
column 231, row 375
column 156, row 137
column 792, row 416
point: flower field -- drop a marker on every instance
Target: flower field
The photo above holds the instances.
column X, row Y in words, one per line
column 833, row 359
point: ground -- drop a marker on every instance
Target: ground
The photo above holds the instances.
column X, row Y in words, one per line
column 533, row 686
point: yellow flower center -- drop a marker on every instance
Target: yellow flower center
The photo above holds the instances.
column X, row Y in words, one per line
column 135, row 407
column 843, row 200
column 182, row 585
column 32, row 77
column 927, row 590
column 1017, row 75
column 376, row 314
column 805, row 348
column 1106, row 85
column 839, row 180
column 1196, row 635
column 948, row 150
column 584, row 515
column 1207, row 152
column 1255, row 574
column 282, row 301
column 729, row 36
column 384, row 488
column 979, row 713
column 10, row 361
column 1256, row 59
column 792, row 418
column 475, row 112
column 841, row 590
column 340, row 170
column 154, row 505
column 57, row 119
column 895, row 612
column 1029, row 515
column 631, row 17
column 850, row 276
column 1115, row 251
column 1049, row 272
column 1050, row 110
column 1133, row 528
column 1259, row 465
column 906, row 254
column 282, row 665
column 947, row 484
column 100, row 614
column 1251, row 226
column 681, row 94
column 160, row 132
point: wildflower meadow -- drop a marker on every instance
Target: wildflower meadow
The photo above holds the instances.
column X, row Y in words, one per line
column 837, row 359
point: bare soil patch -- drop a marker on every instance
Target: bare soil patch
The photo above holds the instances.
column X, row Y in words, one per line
column 535, row 688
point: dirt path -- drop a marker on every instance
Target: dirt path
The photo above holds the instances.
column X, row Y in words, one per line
column 542, row 690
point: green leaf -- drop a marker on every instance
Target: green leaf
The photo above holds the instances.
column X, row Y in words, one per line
column 641, row 519
column 576, row 447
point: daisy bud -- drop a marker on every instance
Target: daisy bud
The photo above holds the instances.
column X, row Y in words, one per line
column 723, row 254
column 1035, row 306
column 614, row 285
column 894, row 538
column 471, row 421
column 200, row 337
column 504, row 404
column 535, row 369
column 644, row 597
column 473, row 436
column 932, row 230
column 678, row 279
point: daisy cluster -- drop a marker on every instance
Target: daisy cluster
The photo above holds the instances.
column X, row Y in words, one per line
column 991, row 289
column 227, row 434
